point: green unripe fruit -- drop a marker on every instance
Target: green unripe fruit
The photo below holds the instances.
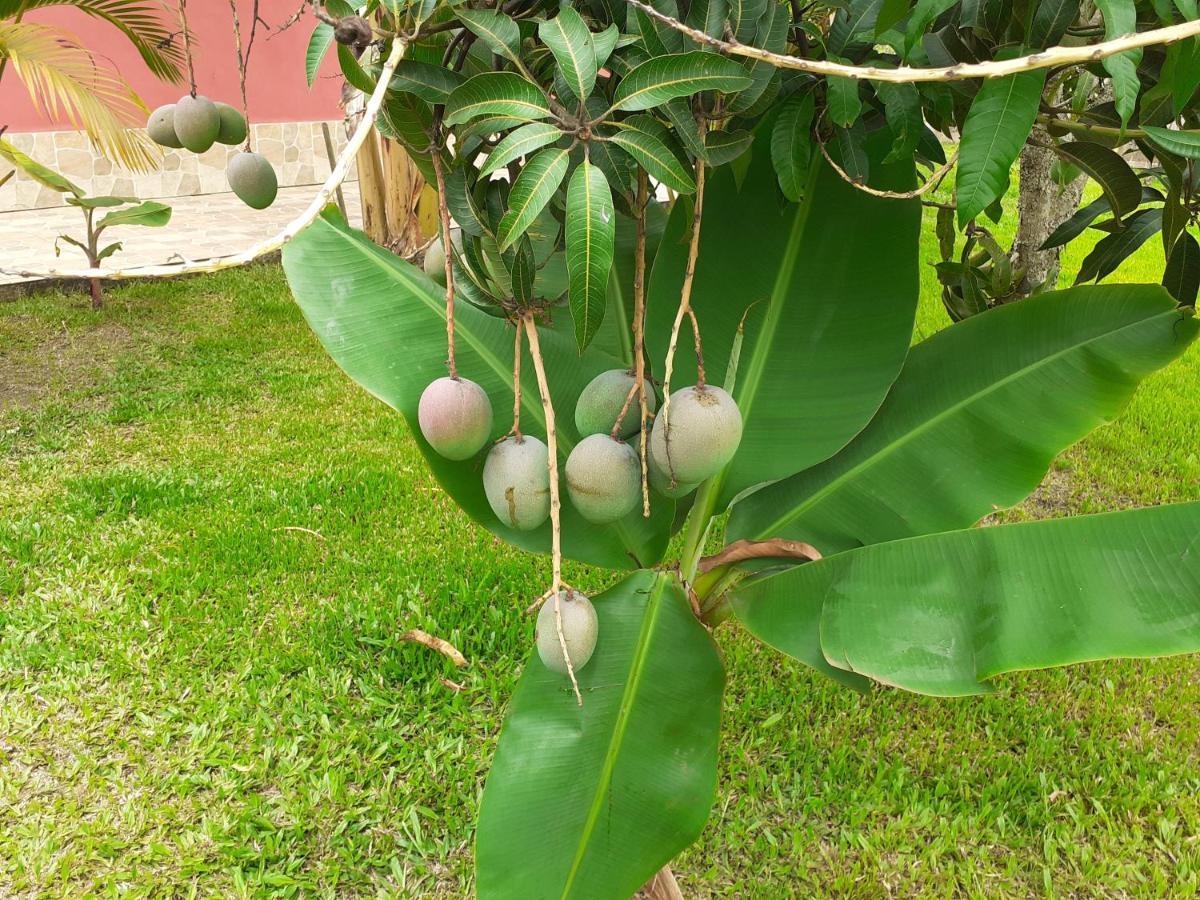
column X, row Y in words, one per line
column 517, row 482
column 161, row 127
column 232, row 130
column 252, row 179
column 603, row 479
column 197, row 122
column 455, row 416
column 435, row 257
column 579, row 630
column 704, row 432
column 601, row 402
column 661, row 481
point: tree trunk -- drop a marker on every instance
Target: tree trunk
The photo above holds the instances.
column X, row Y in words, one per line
column 1042, row 205
column 661, row 887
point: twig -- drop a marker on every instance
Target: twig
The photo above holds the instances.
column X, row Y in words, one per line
column 639, row 329
column 187, row 44
column 685, row 300
column 535, row 353
column 243, row 60
column 1043, row 59
column 453, row 685
column 435, row 156
column 516, row 426
column 268, row 245
column 776, row 548
column 301, row 529
column 935, row 178
column 447, row 649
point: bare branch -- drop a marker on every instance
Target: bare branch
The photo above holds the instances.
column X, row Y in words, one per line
column 448, row 650
column 1043, row 59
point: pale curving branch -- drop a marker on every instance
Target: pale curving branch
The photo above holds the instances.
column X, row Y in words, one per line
column 336, row 176
column 1043, row 59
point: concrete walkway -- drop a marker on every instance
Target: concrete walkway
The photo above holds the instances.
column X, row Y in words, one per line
column 201, row 226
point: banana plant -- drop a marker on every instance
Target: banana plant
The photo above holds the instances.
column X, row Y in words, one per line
column 635, row 212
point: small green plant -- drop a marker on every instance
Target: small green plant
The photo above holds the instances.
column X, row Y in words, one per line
column 113, row 211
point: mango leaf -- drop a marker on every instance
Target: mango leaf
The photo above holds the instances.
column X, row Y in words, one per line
column 902, row 107
column 923, row 15
column 498, row 31
column 646, row 141
column 943, row 613
column 591, row 229
column 1085, row 215
column 664, row 78
column 825, row 335
column 591, row 801
column 997, row 126
column 1182, row 274
column 383, row 321
column 496, row 94
column 321, row 40
column 1120, row 18
column 518, row 143
column 571, row 43
column 724, row 147
column 1109, row 170
column 431, row 83
column 1113, row 250
column 976, row 416
column 791, row 145
column 856, row 21
column 532, row 190
column 843, row 99
column 353, row 71
column 1050, row 22
column 149, row 213
column 1181, row 143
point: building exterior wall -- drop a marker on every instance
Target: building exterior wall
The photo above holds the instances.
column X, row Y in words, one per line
column 285, row 114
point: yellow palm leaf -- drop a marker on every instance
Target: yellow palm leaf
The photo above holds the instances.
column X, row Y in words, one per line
column 62, row 76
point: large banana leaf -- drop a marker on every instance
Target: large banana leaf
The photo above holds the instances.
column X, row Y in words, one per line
column 383, row 321
column 830, row 284
column 590, row 801
column 976, row 417
column 942, row 613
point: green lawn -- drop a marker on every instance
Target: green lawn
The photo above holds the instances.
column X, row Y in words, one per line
column 197, row 697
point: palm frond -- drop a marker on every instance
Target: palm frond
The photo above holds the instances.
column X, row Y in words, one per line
column 145, row 24
column 62, row 77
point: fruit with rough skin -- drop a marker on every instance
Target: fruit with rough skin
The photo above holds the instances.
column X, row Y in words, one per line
column 197, row 122
column 161, row 127
column 603, row 479
column 601, row 401
column 455, row 416
column 579, row 630
column 516, row 481
column 232, row 130
column 704, row 432
column 252, row 179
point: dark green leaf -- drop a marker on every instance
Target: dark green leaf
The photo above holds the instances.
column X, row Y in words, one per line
column 520, row 142
column 591, row 228
column 353, row 71
column 943, row 614
column 902, row 107
column 1182, row 275
column 843, row 99
column 591, row 801
column 1109, row 170
column 427, row 81
column 791, row 145
column 1120, row 18
column 497, row 30
column 1181, row 143
column 319, row 43
column 975, row 418
column 532, row 190
column 571, row 43
column 725, row 146
column 496, row 94
column 1110, row 252
column 997, row 126
column 1050, row 22
column 679, row 75
column 646, row 141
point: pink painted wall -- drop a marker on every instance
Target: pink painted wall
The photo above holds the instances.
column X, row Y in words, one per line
column 276, row 87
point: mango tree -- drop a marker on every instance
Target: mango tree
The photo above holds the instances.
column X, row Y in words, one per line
column 673, row 297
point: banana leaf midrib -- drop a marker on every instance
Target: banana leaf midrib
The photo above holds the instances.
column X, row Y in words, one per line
column 798, row 510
